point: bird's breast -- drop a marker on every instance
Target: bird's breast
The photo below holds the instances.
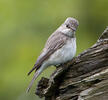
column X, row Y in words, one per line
column 64, row 54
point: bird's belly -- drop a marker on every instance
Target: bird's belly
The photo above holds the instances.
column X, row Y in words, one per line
column 64, row 54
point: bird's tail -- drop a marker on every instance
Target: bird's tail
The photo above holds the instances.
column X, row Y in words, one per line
column 37, row 73
column 36, row 67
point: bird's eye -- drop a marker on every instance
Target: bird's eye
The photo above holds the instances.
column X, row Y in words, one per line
column 67, row 26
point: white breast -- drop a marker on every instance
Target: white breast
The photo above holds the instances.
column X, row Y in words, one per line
column 64, row 54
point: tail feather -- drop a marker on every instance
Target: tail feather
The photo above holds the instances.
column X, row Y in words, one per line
column 36, row 67
column 31, row 71
column 39, row 70
column 33, row 79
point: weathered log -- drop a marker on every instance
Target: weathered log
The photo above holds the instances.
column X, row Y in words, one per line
column 83, row 78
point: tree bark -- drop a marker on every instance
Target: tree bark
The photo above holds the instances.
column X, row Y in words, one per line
column 83, row 78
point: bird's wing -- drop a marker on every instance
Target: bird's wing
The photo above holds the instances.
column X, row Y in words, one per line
column 54, row 42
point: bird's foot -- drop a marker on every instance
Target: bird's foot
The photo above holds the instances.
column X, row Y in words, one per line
column 57, row 66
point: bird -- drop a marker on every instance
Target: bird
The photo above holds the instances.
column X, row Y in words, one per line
column 59, row 48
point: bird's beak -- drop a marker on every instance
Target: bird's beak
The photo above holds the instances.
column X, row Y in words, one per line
column 74, row 29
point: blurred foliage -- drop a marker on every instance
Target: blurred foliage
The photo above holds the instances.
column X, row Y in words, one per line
column 25, row 26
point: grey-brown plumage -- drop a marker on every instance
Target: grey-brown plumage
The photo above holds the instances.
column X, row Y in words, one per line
column 55, row 48
column 51, row 46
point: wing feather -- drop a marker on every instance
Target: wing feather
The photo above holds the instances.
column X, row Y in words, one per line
column 54, row 42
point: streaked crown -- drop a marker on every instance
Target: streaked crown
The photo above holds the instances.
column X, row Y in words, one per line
column 71, row 23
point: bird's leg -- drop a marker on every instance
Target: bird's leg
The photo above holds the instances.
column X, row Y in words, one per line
column 57, row 66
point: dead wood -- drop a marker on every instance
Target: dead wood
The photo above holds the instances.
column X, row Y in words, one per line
column 83, row 78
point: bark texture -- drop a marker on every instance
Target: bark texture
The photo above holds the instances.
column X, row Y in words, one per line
column 83, row 78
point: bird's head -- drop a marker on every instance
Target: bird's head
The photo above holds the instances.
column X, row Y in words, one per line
column 69, row 26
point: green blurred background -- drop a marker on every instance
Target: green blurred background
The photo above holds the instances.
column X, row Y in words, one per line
column 25, row 25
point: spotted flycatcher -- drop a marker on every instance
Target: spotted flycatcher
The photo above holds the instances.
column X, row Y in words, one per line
column 59, row 48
